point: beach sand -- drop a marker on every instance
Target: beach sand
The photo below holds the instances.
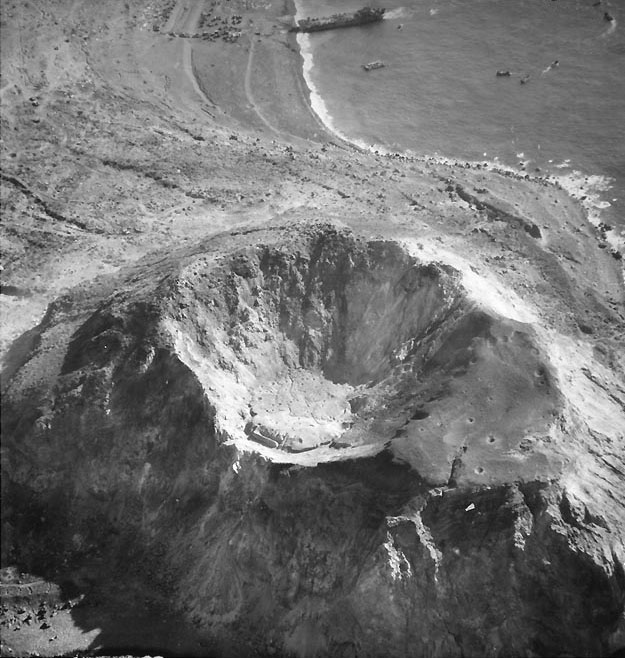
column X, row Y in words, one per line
column 259, row 80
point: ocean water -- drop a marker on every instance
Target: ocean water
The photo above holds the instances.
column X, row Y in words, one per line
column 438, row 93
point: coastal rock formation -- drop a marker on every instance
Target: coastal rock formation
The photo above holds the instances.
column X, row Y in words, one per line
column 406, row 480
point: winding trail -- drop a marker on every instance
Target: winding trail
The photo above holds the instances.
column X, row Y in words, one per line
column 248, row 88
column 174, row 17
column 185, row 18
column 187, row 64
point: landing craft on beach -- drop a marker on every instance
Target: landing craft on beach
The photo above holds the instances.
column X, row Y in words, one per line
column 361, row 17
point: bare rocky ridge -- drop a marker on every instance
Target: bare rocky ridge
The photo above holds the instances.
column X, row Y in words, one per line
column 266, row 394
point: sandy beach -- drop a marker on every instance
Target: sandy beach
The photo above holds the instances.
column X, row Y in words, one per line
column 259, row 80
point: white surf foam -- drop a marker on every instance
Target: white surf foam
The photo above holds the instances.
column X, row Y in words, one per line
column 589, row 191
column 400, row 12
column 316, row 101
column 610, row 29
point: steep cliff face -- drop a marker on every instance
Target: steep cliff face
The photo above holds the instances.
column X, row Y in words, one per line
column 324, row 445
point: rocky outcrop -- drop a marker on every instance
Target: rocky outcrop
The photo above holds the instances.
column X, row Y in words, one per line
column 434, row 488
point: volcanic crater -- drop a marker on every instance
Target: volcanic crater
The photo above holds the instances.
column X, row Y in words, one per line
column 336, row 347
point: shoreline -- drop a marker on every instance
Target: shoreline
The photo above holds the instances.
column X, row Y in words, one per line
column 573, row 182
column 316, row 102
column 311, row 97
column 306, row 90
